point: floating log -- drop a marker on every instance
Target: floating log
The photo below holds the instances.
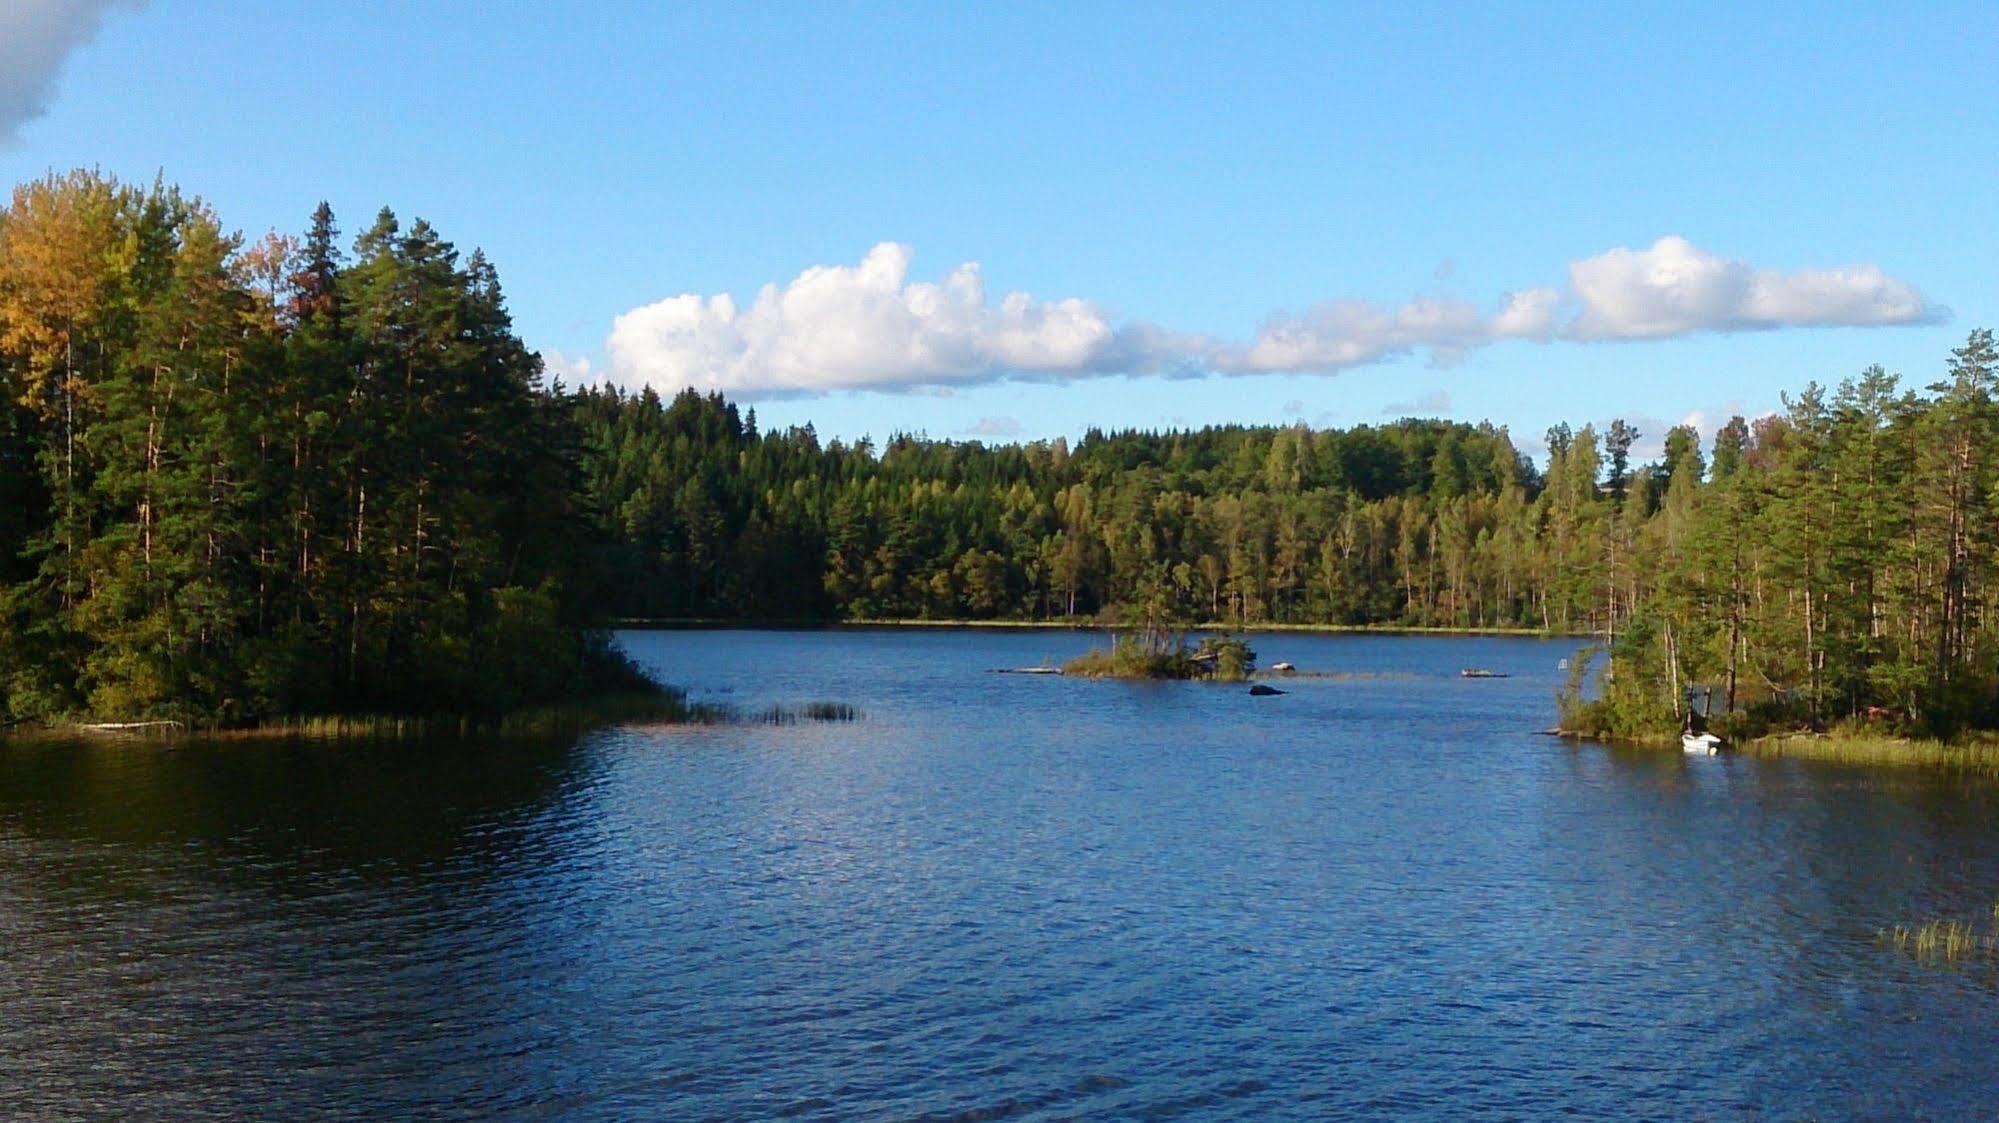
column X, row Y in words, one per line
column 1026, row 671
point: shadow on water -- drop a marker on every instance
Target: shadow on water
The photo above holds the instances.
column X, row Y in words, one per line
column 377, row 806
column 215, row 929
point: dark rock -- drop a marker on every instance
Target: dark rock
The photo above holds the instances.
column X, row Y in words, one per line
column 1259, row 690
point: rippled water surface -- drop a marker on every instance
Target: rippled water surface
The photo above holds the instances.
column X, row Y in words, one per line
column 993, row 895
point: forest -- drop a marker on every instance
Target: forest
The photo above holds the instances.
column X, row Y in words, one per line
column 246, row 479
column 1829, row 562
column 242, row 481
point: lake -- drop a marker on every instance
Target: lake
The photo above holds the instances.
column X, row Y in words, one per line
column 1387, row 894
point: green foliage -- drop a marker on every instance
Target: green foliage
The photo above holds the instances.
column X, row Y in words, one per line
column 239, row 482
column 242, row 483
column 1134, row 658
column 1864, row 747
column 1156, row 655
column 1617, row 706
column 1227, row 658
column 703, row 516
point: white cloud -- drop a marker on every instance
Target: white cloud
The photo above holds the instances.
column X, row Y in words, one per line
column 1707, row 420
column 869, row 327
column 1349, row 333
column 1527, row 314
column 1651, row 442
column 857, row 327
column 995, row 427
column 36, row 38
column 1436, row 403
column 1676, row 288
column 572, row 369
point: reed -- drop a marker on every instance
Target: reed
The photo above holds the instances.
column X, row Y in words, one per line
column 1975, row 757
column 653, row 705
column 1943, row 941
column 809, row 712
column 1126, row 660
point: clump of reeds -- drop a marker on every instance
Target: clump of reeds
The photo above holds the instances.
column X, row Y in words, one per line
column 657, row 704
column 1945, row 940
column 1975, row 757
column 810, row 711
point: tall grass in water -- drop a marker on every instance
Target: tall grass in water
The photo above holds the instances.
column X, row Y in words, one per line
column 810, row 711
column 1943, row 941
column 1975, row 757
column 657, row 704
column 1127, row 658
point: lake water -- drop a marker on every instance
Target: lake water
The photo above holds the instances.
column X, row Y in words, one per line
column 994, row 895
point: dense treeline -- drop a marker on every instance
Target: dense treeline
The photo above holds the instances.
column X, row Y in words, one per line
column 1834, row 560
column 1417, row 522
column 1835, row 563
column 240, row 481
column 243, row 481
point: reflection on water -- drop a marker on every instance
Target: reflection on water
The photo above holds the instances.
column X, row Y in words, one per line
column 992, row 894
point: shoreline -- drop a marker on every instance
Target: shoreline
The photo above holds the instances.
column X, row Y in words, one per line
column 532, row 721
column 665, row 624
column 1978, row 756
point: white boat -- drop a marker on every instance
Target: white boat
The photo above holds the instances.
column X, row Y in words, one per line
column 1700, row 744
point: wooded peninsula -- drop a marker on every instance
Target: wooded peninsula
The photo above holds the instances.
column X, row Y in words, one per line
column 245, row 480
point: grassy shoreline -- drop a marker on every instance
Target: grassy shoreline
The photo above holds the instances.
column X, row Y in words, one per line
column 664, row 705
column 1076, row 625
column 1978, row 756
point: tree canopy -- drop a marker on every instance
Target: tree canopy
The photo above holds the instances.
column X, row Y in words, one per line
column 245, row 481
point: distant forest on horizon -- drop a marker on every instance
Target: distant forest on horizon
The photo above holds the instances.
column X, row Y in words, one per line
column 241, row 480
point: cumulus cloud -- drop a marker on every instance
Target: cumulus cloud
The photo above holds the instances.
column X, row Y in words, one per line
column 36, row 38
column 869, row 326
column 1527, row 314
column 1676, row 288
column 860, row 326
column 1436, row 403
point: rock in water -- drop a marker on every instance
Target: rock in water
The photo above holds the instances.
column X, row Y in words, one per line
column 1259, row 690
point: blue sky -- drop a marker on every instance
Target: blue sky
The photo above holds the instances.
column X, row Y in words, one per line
column 1177, row 174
